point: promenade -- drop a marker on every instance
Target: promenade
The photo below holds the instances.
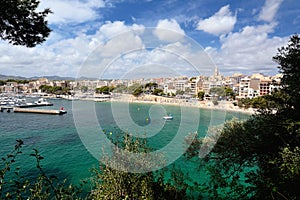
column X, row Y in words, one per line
column 205, row 104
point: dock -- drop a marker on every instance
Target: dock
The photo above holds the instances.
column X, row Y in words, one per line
column 7, row 108
column 39, row 111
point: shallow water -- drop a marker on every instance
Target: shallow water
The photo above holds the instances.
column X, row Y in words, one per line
column 56, row 137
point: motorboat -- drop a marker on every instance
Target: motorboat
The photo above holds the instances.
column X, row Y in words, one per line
column 168, row 117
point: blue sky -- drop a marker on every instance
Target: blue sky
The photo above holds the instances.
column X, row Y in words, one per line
column 89, row 36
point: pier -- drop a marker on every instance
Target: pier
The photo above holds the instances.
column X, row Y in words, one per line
column 6, row 108
column 39, row 111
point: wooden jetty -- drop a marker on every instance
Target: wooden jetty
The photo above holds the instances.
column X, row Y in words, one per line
column 40, row 111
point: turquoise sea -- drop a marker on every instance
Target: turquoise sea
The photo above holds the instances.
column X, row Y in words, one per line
column 56, row 137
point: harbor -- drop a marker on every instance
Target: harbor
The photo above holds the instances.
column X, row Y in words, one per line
column 61, row 111
column 20, row 105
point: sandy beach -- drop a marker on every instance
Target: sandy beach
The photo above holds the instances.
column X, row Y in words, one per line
column 222, row 105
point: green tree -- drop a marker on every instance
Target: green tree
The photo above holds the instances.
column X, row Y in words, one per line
column 22, row 24
column 84, row 88
column 288, row 58
column 45, row 88
column 150, row 87
column 158, row 92
column 220, row 91
column 134, row 87
column 137, row 91
column 229, row 92
column 200, row 95
column 179, row 92
column 259, row 158
column 121, row 88
column 109, row 183
column 104, row 89
column 41, row 185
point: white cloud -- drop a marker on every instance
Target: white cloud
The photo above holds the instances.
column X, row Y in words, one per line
column 250, row 50
column 72, row 11
column 169, row 30
column 269, row 10
column 65, row 56
column 112, row 29
column 221, row 22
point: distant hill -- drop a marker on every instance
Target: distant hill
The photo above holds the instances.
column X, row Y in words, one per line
column 53, row 78
column 5, row 77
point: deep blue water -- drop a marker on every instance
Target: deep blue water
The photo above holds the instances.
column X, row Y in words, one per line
column 56, row 137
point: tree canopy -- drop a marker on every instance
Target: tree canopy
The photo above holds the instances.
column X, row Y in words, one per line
column 22, row 24
column 105, row 89
column 259, row 158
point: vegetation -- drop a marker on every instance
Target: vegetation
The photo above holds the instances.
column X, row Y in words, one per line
column 215, row 102
column 138, row 91
column 200, row 95
column 179, row 92
column 222, row 92
column 22, row 24
column 107, row 183
column 159, row 92
column 121, row 88
column 3, row 82
column 84, row 88
column 105, row 89
column 259, row 158
column 41, row 187
column 111, row 183
column 58, row 90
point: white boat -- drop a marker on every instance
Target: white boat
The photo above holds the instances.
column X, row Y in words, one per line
column 38, row 103
column 168, row 117
column 43, row 102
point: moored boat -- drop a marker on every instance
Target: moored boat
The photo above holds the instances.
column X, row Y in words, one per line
column 168, row 117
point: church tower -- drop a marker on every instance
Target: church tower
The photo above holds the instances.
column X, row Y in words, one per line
column 217, row 73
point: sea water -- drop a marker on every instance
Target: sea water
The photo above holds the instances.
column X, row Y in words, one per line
column 65, row 156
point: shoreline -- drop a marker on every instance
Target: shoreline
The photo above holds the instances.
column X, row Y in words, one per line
column 150, row 99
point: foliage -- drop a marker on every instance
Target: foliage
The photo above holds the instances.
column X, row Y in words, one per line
column 137, row 91
column 54, row 89
column 107, row 183
column 224, row 92
column 150, row 86
column 134, row 87
column 21, row 24
column 259, row 158
column 105, row 89
column 215, row 102
column 288, row 58
column 200, row 95
column 270, row 102
column 229, row 92
column 158, row 92
column 84, row 89
column 290, row 162
column 219, row 91
column 17, row 81
column 120, row 183
column 41, row 187
column 179, row 92
column 121, row 88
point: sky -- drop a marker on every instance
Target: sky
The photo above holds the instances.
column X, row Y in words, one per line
column 131, row 38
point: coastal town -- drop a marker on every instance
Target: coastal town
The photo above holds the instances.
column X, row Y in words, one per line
column 242, row 86
column 201, row 91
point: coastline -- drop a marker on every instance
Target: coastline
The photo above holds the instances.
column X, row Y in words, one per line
column 151, row 99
